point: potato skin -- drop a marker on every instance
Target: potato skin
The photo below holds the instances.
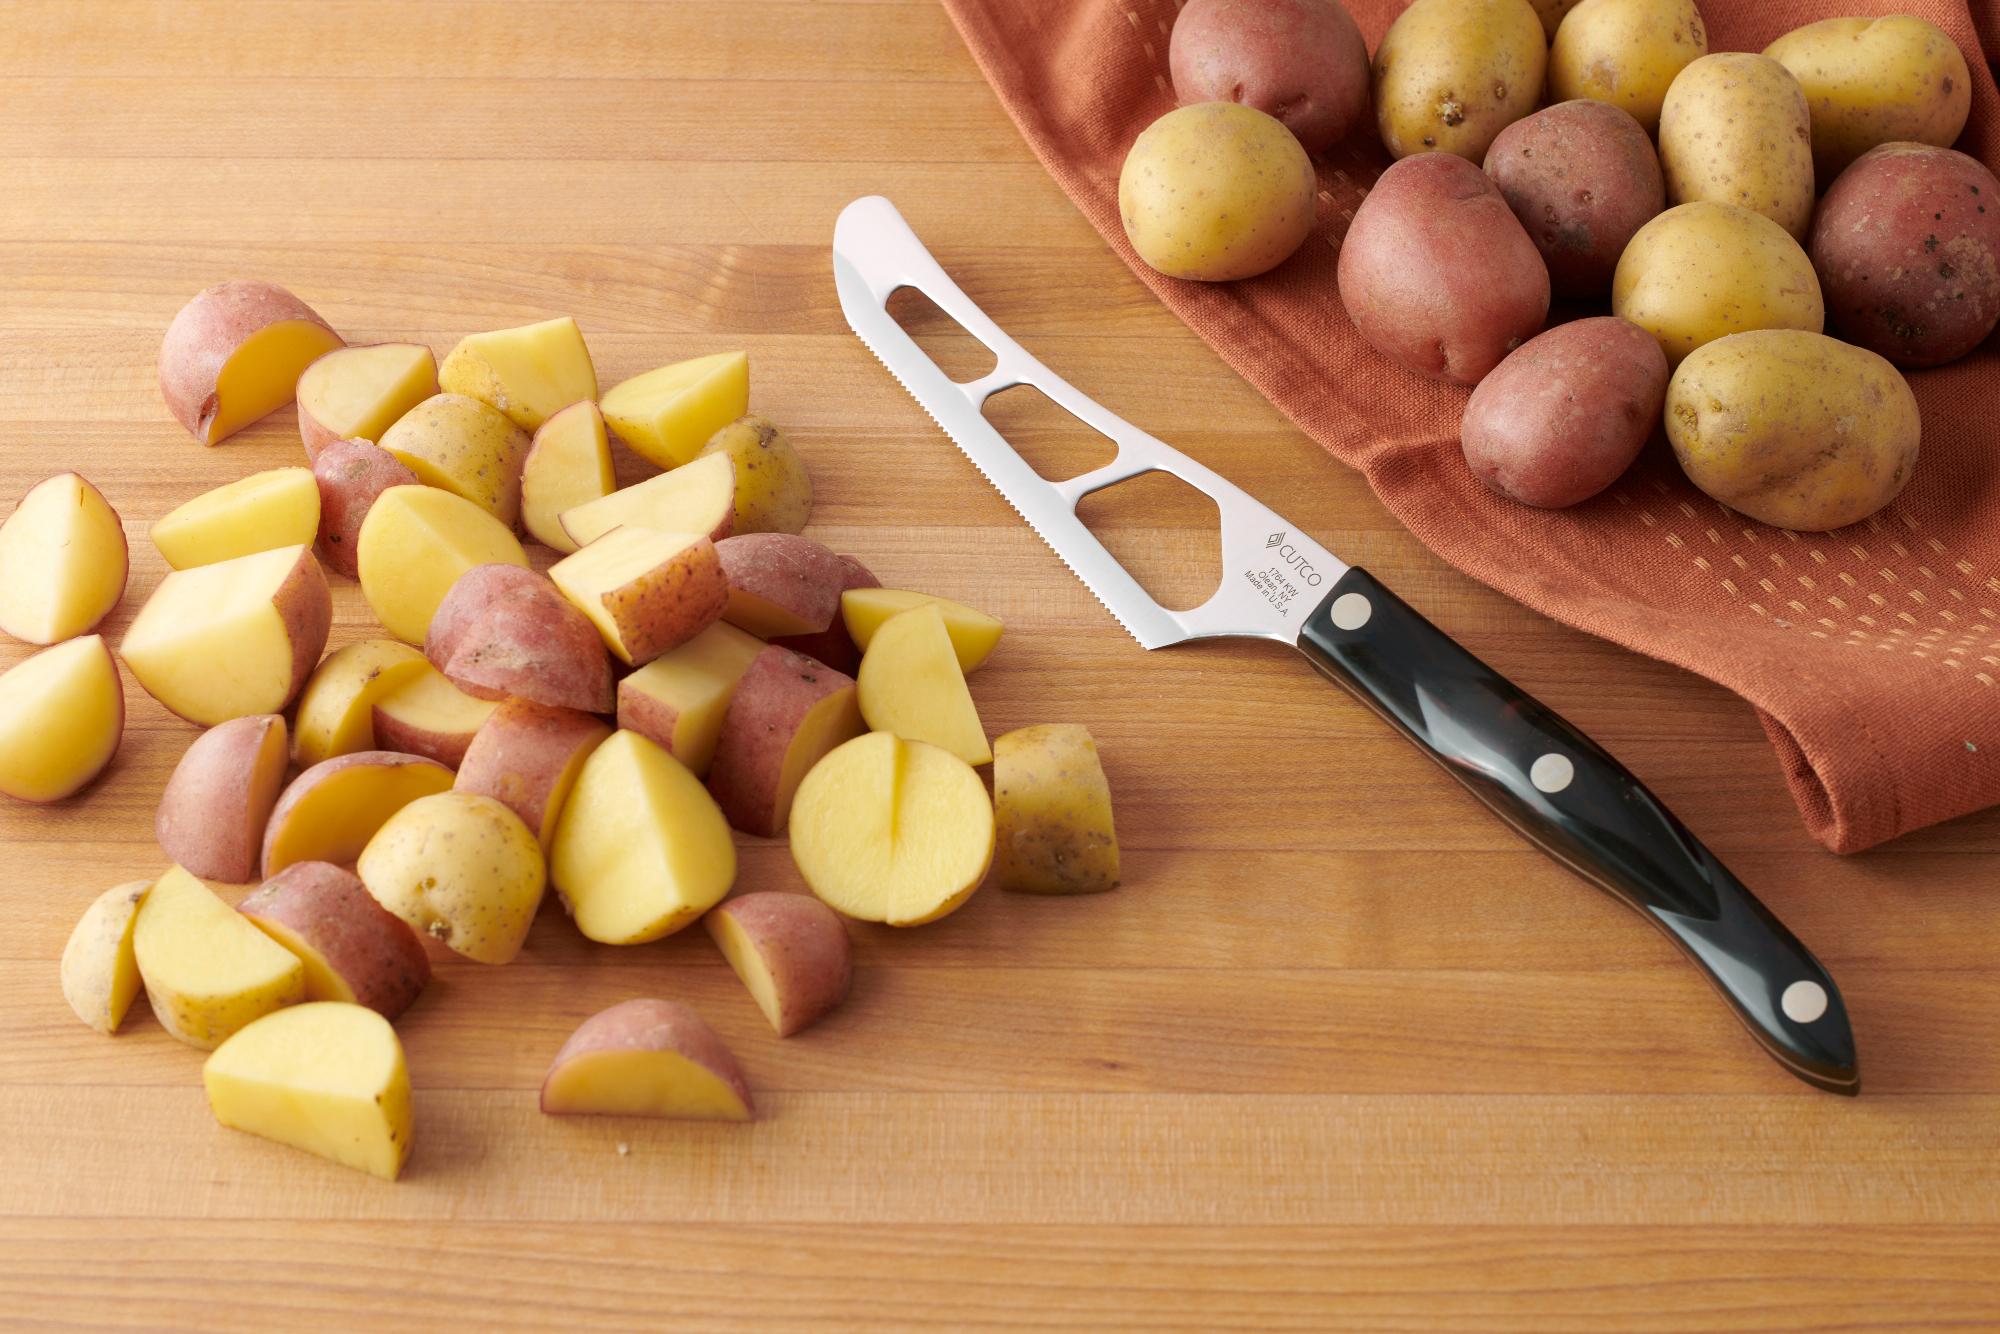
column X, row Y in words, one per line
column 1437, row 273
column 1565, row 415
column 1734, row 130
column 647, row 1025
column 217, row 800
column 1451, row 74
column 1907, row 245
column 351, row 473
column 526, row 757
column 1793, row 428
column 1582, row 177
column 833, row 645
column 1053, row 830
column 1702, row 271
column 802, row 943
column 1216, row 191
column 374, row 952
column 1302, row 61
column 1625, row 52
column 206, row 332
column 774, row 492
column 776, row 693
column 1876, row 81
column 465, row 446
column 502, row 630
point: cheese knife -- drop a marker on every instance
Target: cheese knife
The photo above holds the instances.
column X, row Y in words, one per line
column 1559, row 789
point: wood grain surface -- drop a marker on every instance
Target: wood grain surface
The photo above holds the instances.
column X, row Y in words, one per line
column 1340, row 1053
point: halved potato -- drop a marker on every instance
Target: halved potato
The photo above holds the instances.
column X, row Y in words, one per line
column 781, row 584
column 357, row 393
column 99, row 975
column 568, row 464
column 974, row 634
column 529, row 373
column 791, row 952
column 62, row 715
column 699, row 497
column 667, row 415
column 646, row 1058
column 219, row 797
column 352, row 949
column 429, row 716
column 208, row 971
column 265, row 510
column 330, row 811
column 336, row 714
column 234, row 354
column 414, row 544
column 63, row 561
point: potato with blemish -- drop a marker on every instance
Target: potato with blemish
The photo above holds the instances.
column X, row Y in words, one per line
column 1302, row 61
column 1053, row 832
column 1452, row 74
column 1703, row 271
column 1793, row 428
column 461, row 867
column 1582, row 177
column 774, row 493
column 1626, row 52
column 1734, row 130
column 1907, row 245
column 1216, row 191
column 1876, row 81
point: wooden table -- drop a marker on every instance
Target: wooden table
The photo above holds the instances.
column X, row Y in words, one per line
column 1339, row 1053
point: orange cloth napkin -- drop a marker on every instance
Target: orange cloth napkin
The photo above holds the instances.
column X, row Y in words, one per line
column 1871, row 654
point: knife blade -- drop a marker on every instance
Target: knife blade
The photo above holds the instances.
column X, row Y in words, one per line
column 1555, row 786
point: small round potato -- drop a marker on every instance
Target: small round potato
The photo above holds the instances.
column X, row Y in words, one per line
column 1702, row 271
column 1734, row 130
column 1436, row 272
column 1302, row 61
column 1876, row 81
column 1625, row 52
column 1216, row 191
column 1907, row 244
column 1566, row 413
column 460, row 867
column 1793, row 428
column 1582, row 178
column 1452, row 74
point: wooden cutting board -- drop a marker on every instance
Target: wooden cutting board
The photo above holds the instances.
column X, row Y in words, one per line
column 1340, row 1052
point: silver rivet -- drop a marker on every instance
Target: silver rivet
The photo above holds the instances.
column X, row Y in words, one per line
column 1351, row 611
column 1551, row 773
column 1803, row 1002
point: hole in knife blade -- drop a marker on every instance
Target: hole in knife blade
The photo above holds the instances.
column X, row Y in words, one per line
column 944, row 340
column 1055, row 444
column 1164, row 532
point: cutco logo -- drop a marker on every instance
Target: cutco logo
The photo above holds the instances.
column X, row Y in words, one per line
column 1290, row 555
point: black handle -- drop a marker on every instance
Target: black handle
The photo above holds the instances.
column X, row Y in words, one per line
column 1570, row 798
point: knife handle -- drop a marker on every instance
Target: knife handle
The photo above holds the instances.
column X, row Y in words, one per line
column 1569, row 797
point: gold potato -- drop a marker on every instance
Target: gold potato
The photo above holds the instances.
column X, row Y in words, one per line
column 62, row 715
column 1734, row 130
column 1452, row 74
column 1216, row 191
column 460, row 867
column 1876, row 81
column 1625, row 52
column 1702, row 271
column 774, row 493
column 1052, row 813
column 100, row 977
column 1793, row 428
column 207, row 970
column 63, row 561
column 466, row 447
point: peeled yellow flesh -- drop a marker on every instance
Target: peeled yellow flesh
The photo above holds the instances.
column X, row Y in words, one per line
column 210, row 643
column 337, row 706
column 695, row 683
column 667, row 415
column 413, row 546
column 62, row 561
column 62, row 715
column 973, row 633
column 429, row 701
column 207, row 970
column 359, row 392
column 910, row 684
column 263, row 373
column 691, row 499
column 326, row 1077
column 569, row 465
column 265, row 510
column 529, row 372
column 641, row 1083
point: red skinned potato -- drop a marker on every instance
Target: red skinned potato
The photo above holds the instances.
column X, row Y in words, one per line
column 502, row 630
column 212, row 814
column 834, row 646
column 787, row 712
column 1565, row 415
column 791, row 952
column 1582, row 177
column 351, row 473
column 646, row 1058
column 1907, row 247
column 526, row 757
column 234, row 354
column 1302, row 61
column 353, row 949
column 1437, row 273
column 781, row 584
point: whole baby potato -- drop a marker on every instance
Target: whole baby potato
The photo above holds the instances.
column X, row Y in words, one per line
column 1625, row 52
column 1436, row 272
column 1793, row 428
column 1876, row 81
column 1907, row 244
column 1566, row 412
column 1582, row 178
column 1451, row 74
column 1702, row 271
column 1734, row 129
column 1216, row 191
column 1302, row 61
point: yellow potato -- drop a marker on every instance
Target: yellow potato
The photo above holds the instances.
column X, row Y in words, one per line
column 698, row 497
column 1625, row 52
column 1216, row 191
column 774, row 493
column 1052, row 813
column 1702, row 271
column 667, row 415
column 337, row 707
column 62, row 715
column 327, row 1077
column 1452, row 74
column 414, row 544
column 461, row 867
column 974, row 634
column 529, row 373
column 279, row 508
column 466, row 447
column 910, row 684
column 1734, row 130
column 1795, row 429
column 99, row 975
column 568, row 464
column 357, row 393
column 1876, row 81
column 63, row 561
column 208, row 971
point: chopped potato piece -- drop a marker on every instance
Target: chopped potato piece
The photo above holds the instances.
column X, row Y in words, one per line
column 667, row 415
column 414, row 544
column 791, row 952
column 265, row 510
column 63, row 561
column 462, row 868
column 234, row 354
column 679, row 698
column 207, row 970
column 352, row 948
column 910, row 684
column 357, row 393
column 336, row 713
column 646, row 592
column 429, row 716
column 212, row 815
column 62, row 715
column 99, row 975
column 1052, row 813
column 527, row 756
column 646, row 1058
column 774, row 493
column 330, row 811
column 698, row 498
column 463, row 446
column 568, row 465
column 974, row 634
column 781, row 584
column 529, row 373
column 787, row 712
